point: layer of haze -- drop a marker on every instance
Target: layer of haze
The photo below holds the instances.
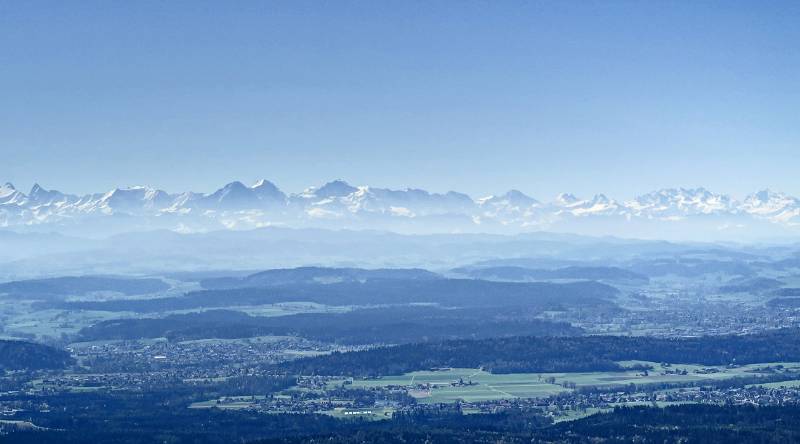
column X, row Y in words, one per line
column 614, row 97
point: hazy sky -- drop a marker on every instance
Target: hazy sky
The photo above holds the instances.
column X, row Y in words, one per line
column 614, row 97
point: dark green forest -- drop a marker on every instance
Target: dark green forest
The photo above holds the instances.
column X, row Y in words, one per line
column 554, row 354
column 20, row 355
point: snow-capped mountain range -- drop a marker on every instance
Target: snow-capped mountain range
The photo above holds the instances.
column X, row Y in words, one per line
column 338, row 204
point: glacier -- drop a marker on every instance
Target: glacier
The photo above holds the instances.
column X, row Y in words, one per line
column 671, row 213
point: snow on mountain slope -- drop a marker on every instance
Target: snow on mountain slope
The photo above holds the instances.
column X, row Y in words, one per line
column 597, row 205
column 267, row 191
column 39, row 196
column 7, row 189
column 338, row 204
column 343, row 199
column 10, row 196
column 513, row 198
column 513, row 208
column 771, row 205
column 675, row 203
column 133, row 200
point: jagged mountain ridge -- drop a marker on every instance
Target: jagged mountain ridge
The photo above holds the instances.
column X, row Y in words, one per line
column 338, row 204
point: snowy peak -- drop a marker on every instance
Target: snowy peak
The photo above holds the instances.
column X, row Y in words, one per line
column 268, row 191
column 766, row 203
column 674, row 202
column 566, row 200
column 9, row 195
column 232, row 189
column 7, row 189
column 599, row 204
column 336, row 188
column 768, row 198
column 514, row 198
column 456, row 197
column 234, row 195
column 133, row 200
column 237, row 196
column 341, row 196
column 600, row 201
column 42, row 196
column 337, row 204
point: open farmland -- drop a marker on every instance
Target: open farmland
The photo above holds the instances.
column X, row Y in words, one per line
column 450, row 385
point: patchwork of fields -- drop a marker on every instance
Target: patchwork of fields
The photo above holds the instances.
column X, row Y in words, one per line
column 470, row 385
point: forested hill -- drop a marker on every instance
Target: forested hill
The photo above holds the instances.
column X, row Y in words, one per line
column 708, row 424
column 512, row 273
column 77, row 285
column 19, row 355
column 315, row 275
column 447, row 292
column 555, row 354
column 382, row 325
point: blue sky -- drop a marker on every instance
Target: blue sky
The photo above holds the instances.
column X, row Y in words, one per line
column 614, row 97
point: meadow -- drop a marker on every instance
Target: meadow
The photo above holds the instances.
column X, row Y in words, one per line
column 450, row 385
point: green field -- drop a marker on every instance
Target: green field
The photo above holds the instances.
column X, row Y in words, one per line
column 444, row 386
column 370, row 413
column 788, row 384
column 436, row 386
column 54, row 322
column 22, row 319
column 476, row 385
column 251, row 401
column 228, row 402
